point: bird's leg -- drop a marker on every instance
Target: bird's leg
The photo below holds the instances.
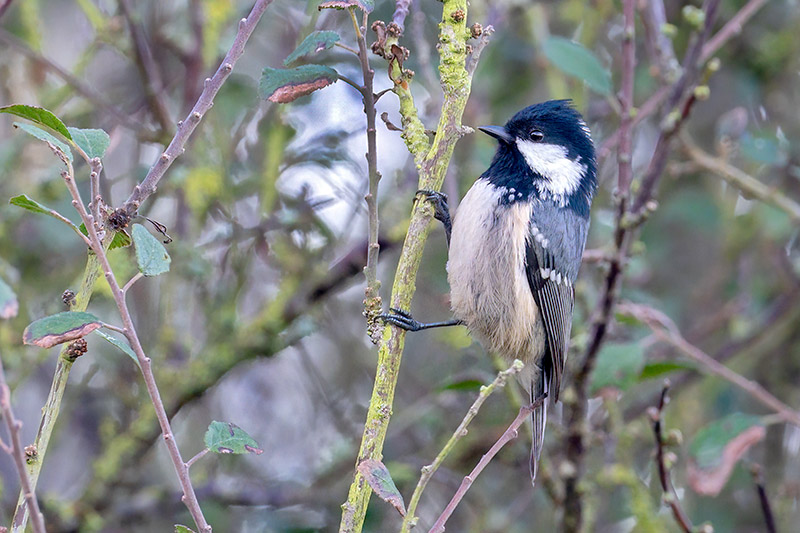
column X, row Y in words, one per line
column 403, row 320
column 441, row 211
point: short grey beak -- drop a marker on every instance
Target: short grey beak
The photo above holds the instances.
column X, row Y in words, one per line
column 498, row 132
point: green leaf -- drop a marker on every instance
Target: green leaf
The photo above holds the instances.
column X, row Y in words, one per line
column 9, row 306
column 316, row 42
column 119, row 343
column 93, row 142
column 378, row 477
column 179, row 528
column 464, row 384
column 62, row 327
column 54, row 144
column 121, row 238
column 365, row 5
column 31, row 205
column 285, row 85
column 151, row 255
column 653, row 370
column 39, row 115
column 617, row 366
column 224, row 437
column 709, row 442
column 574, row 60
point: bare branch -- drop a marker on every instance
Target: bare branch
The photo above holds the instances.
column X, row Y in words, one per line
column 17, row 453
column 509, row 434
column 186, row 127
column 766, row 508
column 732, row 28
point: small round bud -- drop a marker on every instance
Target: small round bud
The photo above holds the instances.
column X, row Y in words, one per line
column 694, row 16
column 476, row 30
column 76, row 349
column 458, row 15
column 674, row 438
column 702, row 92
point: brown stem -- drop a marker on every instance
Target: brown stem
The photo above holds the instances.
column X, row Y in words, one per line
column 508, row 435
column 670, row 497
column 17, row 452
column 186, row 127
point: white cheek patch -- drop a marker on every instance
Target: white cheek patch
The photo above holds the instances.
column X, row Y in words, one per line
column 562, row 174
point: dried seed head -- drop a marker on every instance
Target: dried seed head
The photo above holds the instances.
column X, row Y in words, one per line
column 76, row 349
column 68, row 298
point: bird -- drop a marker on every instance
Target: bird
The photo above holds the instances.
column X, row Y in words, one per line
column 515, row 247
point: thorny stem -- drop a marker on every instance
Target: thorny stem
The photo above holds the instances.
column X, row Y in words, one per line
column 189, row 497
column 509, row 434
column 428, row 471
column 17, row 452
column 372, row 300
column 186, row 127
column 670, row 497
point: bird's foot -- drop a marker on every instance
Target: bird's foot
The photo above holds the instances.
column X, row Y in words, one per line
column 441, row 211
column 403, row 320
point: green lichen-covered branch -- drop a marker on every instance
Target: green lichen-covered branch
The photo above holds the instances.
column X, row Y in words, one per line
column 432, row 161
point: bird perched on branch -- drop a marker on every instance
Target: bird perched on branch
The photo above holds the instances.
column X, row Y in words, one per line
column 515, row 247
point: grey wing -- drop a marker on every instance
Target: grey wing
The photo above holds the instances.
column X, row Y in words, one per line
column 553, row 255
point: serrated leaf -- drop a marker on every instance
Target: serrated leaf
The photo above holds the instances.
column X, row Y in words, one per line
column 617, row 366
column 365, row 5
column 286, row 85
column 52, row 142
column 316, row 42
column 9, row 305
column 717, row 448
column 119, row 343
column 39, row 115
column 151, row 255
column 25, row 202
column 62, row 327
column 179, row 528
column 378, row 477
column 653, row 370
column 224, row 437
column 574, row 60
column 121, row 238
column 93, row 142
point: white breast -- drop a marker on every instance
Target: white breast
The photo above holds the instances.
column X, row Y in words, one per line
column 489, row 288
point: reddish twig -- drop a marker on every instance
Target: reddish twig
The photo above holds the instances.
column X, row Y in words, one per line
column 766, row 508
column 17, row 453
column 670, row 497
column 186, row 127
column 509, row 434
column 731, row 28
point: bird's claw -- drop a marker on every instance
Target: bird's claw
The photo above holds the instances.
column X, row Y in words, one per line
column 401, row 319
column 439, row 201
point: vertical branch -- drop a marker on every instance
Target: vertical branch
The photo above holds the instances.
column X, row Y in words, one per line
column 432, row 164
column 766, row 508
column 372, row 300
column 17, row 453
column 670, row 497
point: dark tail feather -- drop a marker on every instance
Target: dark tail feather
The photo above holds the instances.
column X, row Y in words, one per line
column 538, row 423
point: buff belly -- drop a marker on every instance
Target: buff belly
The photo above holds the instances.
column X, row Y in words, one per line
column 489, row 288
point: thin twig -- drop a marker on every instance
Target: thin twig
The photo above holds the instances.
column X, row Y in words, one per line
column 151, row 79
column 410, row 520
column 196, row 458
column 746, row 183
column 666, row 330
column 670, row 496
column 113, row 327
column 186, row 127
column 766, row 508
column 509, row 434
column 732, row 28
column 477, row 49
column 189, row 497
column 400, row 13
column 131, row 281
column 17, row 452
column 372, row 299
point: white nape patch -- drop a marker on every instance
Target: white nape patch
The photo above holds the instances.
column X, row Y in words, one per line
column 562, row 174
column 586, row 129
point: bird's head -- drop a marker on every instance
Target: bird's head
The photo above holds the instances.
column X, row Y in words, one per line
column 546, row 148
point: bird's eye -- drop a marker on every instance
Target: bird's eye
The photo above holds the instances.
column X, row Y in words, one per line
column 537, row 135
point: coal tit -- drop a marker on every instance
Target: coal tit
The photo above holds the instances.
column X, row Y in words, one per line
column 516, row 243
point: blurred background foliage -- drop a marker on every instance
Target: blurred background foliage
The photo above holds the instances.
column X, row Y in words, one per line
column 259, row 321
